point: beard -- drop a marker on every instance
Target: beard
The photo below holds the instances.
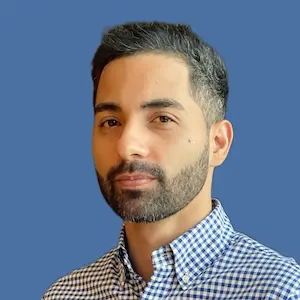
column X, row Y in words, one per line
column 164, row 199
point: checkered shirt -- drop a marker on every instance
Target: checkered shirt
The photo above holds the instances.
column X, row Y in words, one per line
column 210, row 261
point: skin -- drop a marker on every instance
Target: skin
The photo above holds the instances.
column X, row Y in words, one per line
column 182, row 153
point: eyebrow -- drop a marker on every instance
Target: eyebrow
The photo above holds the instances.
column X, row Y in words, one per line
column 152, row 104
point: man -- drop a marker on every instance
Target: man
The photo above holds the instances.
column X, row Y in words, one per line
column 160, row 96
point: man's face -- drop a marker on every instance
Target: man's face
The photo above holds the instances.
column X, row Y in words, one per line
column 165, row 147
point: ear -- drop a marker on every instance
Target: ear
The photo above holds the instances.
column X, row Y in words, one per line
column 221, row 137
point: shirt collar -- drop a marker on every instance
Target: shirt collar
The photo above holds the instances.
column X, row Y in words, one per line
column 194, row 251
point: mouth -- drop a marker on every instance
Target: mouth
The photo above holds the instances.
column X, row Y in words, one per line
column 134, row 180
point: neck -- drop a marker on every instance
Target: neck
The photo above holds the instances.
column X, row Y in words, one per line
column 144, row 238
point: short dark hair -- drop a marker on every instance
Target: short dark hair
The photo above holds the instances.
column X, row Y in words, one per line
column 208, row 75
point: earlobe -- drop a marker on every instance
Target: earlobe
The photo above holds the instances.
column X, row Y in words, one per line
column 222, row 136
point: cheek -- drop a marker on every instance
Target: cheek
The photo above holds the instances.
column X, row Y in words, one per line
column 102, row 155
column 185, row 151
column 176, row 154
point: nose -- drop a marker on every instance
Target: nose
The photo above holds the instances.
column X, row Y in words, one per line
column 133, row 142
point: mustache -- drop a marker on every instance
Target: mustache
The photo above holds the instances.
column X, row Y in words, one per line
column 136, row 166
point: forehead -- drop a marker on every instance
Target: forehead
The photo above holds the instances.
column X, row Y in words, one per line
column 142, row 77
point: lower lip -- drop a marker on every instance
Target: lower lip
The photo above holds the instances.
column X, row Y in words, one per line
column 135, row 183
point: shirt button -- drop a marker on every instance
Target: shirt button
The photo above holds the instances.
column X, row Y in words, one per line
column 122, row 280
column 185, row 278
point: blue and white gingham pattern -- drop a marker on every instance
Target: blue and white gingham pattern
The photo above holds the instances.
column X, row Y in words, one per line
column 210, row 261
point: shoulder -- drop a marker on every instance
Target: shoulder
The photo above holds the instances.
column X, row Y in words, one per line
column 252, row 250
column 262, row 268
column 85, row 281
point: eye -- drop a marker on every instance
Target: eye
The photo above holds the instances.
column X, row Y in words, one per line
column 163, row 119
column 110, row 123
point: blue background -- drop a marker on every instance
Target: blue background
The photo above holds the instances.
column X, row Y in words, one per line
column 52, row 216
